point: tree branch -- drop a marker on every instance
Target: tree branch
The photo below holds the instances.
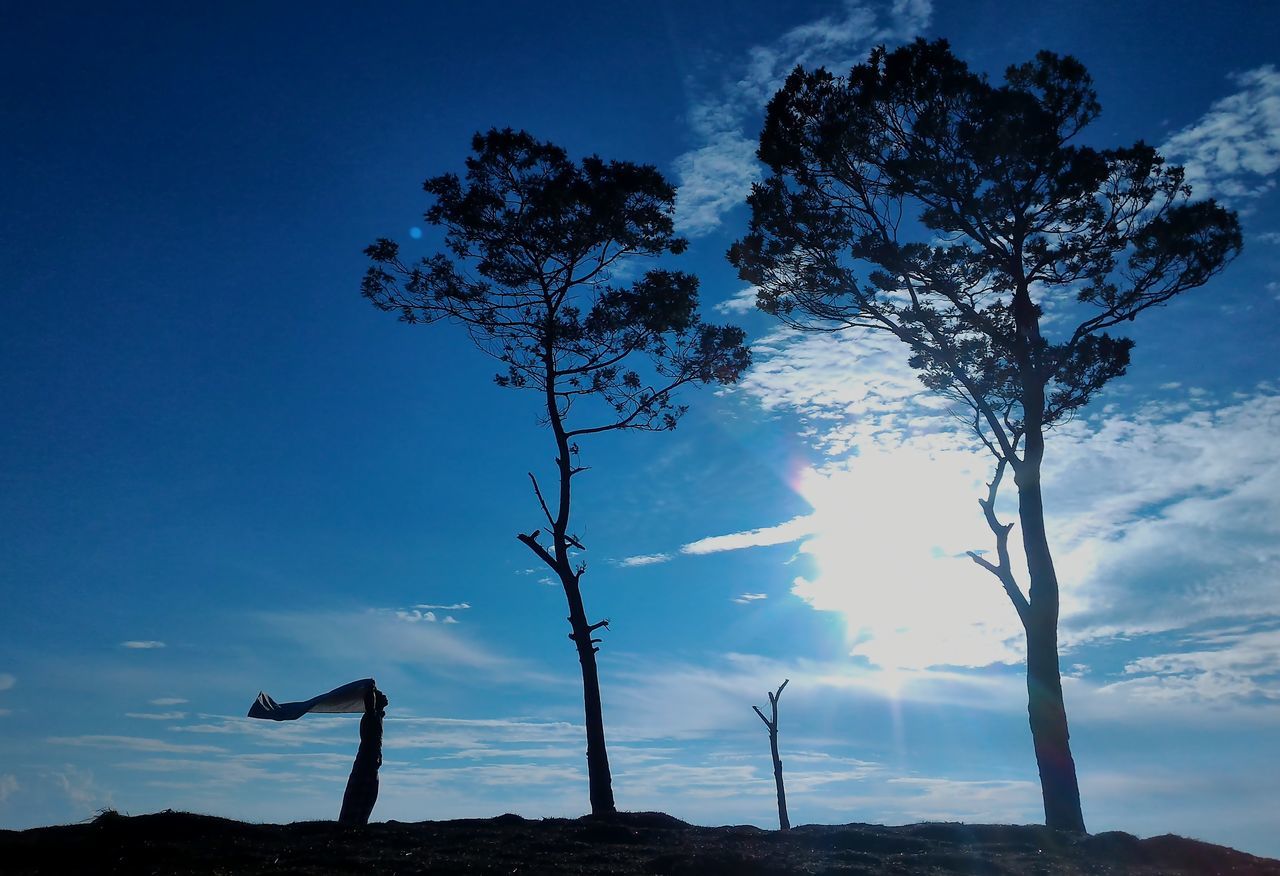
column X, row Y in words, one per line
column 541, row 501
column 531, row 541
column 1003, row 571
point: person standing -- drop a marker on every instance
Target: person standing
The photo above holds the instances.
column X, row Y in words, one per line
column 362, row 785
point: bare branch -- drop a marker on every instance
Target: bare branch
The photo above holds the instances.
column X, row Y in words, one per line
column 542, row 501
column 532, row 543
column 1003, row 569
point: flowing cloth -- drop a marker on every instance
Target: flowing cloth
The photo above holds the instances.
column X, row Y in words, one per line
column 348, row 698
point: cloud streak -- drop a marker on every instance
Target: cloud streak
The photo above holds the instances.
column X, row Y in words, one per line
column 643, row 560
column 133, row 743
column 792, row 530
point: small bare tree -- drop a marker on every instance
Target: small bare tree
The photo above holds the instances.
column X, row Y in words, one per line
column 784, row 823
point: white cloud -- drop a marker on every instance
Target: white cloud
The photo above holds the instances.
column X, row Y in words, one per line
column 157, row 716
column 8, row 785
column 1233, row 150
column 643, row 560
column 714, row 178
column 850, row 389
column 7, row 681
column 414, row 616
column 456, row 606
column 1232, row 664
column 167, row 701
column 1167, row 516
column 748, row 598
column 142, row 644
column 793, row 530
column 716, row 175
column 742, row 302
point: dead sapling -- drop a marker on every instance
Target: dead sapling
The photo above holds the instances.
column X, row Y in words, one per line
column 784, row 823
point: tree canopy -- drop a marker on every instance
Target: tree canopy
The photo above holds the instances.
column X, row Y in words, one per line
column 535, row 242
column 974, row 210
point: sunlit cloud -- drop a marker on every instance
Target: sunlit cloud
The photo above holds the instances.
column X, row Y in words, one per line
column 1233, row 151
column 456, row 606
column 792, row 530
column 748, row 598
column 7, row 681
column 716, row 175
column 157, row 716
column 167, row 701
column 890, row 532
column 1179, row 496
column 142, row 644
column 850, row 390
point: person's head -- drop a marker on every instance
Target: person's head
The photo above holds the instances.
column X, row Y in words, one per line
column 380, row 700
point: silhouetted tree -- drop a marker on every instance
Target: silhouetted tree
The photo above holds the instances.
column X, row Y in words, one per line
column 784, row 823
column 974, row 210
column 534, row 238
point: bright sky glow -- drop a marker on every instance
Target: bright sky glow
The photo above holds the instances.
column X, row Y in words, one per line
column 223, row 472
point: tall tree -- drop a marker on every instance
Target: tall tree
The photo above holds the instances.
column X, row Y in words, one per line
column 533, row 240
column 918, row 198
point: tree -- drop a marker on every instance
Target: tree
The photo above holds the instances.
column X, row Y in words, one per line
column 784, row 823
column 534, row 239
column 973, row 209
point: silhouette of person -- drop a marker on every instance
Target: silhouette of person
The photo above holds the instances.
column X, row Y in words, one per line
column 362, row 785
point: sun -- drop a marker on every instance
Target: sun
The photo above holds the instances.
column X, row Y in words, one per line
column 890, row 531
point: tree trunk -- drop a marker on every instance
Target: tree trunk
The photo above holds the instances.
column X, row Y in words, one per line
column 1045, row 706
column 784, row 823
column 599, row 778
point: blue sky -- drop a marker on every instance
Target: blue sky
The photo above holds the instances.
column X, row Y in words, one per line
column 222, row 471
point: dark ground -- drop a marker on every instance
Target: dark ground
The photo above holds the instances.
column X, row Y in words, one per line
column 643, row 842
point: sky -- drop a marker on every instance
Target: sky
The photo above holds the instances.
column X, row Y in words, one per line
column 223, row 471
